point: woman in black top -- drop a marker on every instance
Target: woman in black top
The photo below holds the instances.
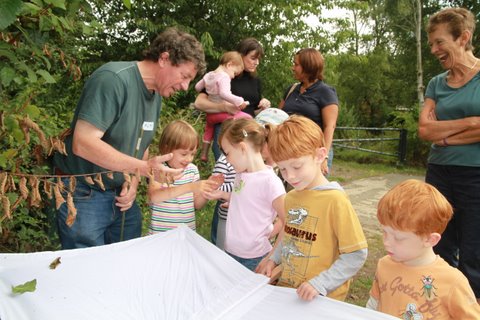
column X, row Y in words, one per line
column 247, row 85
column 312, row 97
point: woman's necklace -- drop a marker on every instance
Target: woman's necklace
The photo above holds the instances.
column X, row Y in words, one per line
column 464, row 75
column 306, row 85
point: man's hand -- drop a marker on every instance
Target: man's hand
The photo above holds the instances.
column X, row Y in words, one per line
column 127, row 196
column 162, row 173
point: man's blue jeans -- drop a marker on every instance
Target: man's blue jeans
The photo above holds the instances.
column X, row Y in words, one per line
column 99, row 220
column 460, row 243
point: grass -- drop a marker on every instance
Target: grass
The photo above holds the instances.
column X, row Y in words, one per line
column 344, row 172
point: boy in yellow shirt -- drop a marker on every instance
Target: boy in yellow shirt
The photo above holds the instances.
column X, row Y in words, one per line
column 412, row 282
column 323, row 243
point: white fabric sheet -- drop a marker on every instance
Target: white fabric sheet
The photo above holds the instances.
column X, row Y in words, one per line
column 172, row 275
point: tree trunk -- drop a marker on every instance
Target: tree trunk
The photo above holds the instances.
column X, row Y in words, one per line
column 418, row 36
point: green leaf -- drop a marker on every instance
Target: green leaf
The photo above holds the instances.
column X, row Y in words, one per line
column 29, row 286
column 7, row 74
column 30, row 8
column 32, row 77
column 9, row 154
column 18, row 135
column 9, row 54
column 67, row 24
column 3, row 161
column 8, row 12
column 57, row 3
column 127, row 4
column 47, row 76
column 32, row 111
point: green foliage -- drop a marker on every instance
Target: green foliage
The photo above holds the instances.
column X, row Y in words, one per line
column 39, row 48
column 368, row 91
column 348, row 116
column 417, row 149
column 8, row 12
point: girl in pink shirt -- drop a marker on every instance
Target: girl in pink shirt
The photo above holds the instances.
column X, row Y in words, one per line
column 217, row 85
column 257, row 197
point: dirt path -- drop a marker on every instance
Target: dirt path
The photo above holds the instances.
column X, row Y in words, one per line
column 365, row 193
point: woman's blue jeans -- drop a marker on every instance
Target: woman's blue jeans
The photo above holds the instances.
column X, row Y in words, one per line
column 460, row 242
column 98, row 221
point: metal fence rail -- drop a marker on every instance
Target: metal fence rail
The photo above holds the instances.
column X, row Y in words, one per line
column 400, row 151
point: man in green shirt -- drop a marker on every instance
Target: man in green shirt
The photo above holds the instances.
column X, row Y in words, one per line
column 113, row 125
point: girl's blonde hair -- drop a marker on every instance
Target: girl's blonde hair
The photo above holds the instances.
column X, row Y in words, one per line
column 232, row 57
column 296, row 137
column 414, row 206
column 239, row 130
column 178, row 134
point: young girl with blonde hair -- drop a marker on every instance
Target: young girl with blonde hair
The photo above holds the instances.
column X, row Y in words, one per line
column 257, row 197
column 175, row 204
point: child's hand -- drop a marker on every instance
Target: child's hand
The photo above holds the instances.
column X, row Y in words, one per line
column 213, row 195
column 225, row 205
column 218, row 178
column 265, row 267
column 203, row 186
column 307, row 292
column 243, row 106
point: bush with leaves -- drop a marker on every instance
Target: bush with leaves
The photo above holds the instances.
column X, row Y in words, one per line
column 39, row 72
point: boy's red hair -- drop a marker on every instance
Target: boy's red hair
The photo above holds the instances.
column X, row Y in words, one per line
column 414, row 206
column 296, row 137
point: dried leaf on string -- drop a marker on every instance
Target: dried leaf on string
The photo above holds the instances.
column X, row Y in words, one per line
column 12, row 183
column 60, row 184
column 26, row 131
column 3, row 182
column 50, row 147
column 32, row 125
column 6, row 207
column 58, row 197
column 47, row 188
column 35, row 198
column 72, row 211
column 47, row 146
column 59, row 146
column 22, row 185
column 99, row 181
column 72, row 183
column 89, row 180
column 110, row 175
